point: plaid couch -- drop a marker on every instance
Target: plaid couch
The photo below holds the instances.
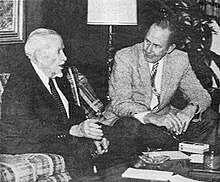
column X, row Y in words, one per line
column 35, row 167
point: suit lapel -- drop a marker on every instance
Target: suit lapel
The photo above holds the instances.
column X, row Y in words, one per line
column 31, row 74
column 41, row 93
column 144, row 74
column 166, row 77
column 64, row 86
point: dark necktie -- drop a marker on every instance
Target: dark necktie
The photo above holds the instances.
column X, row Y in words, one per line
column 58, row 101
column 154, row 90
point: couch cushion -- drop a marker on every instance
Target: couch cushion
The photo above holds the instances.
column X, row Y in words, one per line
column 13, row 170
column 62, row 177
column 32, row 167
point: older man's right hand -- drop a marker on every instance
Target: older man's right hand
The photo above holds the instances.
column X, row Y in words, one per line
column 88, row 129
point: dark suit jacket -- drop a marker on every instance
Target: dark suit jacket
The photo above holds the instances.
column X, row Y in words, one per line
column 30, row 121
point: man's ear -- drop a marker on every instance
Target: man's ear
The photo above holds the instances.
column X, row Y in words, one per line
column 171, row 48
column 39, row 55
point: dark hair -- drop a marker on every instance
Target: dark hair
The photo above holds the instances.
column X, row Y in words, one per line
column 165, row 23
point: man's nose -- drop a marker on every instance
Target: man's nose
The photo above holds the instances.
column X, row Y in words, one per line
column 149, row 48
column 64, row 57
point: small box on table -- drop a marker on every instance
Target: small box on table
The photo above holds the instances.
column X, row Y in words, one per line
column 193, row 147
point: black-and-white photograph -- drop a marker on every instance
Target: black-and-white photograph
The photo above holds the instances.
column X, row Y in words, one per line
column 109, row 90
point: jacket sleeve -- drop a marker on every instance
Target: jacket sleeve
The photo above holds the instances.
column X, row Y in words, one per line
column 193, row 90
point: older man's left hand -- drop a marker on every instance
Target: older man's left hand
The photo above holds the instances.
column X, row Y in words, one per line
column 102, row 146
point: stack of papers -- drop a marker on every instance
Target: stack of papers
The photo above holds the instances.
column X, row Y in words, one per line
column 155, row 175
column 179, row 178
column 147, row 174
column 196, row 158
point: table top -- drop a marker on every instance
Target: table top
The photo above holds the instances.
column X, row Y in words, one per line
column 182, row 167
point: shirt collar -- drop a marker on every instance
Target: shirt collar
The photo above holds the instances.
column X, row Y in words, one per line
column 160, row 62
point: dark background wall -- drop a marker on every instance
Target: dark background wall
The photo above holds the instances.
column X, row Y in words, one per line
column 10, row 55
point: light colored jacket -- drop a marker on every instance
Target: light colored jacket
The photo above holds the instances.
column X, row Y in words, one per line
column 130, row 87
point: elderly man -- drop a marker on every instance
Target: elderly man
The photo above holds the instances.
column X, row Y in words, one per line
column 144, row 79
column 39, row 114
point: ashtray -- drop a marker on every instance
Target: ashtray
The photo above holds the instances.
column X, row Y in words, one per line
column 154, row 159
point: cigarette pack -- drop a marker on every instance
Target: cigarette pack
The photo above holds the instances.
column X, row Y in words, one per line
column 193, row 147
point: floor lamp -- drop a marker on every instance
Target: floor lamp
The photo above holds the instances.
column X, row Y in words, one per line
column 112, row 12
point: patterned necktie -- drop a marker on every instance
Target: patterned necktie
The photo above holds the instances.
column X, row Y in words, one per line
column 154, row 90
column 59, row 103
column 217, row 81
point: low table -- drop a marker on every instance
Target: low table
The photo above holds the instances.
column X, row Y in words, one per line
column 182, row 167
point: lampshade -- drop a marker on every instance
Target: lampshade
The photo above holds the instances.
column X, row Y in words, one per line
column 112, row 12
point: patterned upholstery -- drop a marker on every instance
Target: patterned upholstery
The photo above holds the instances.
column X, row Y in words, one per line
column 33, row 168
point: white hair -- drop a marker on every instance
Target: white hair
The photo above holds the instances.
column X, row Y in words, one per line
column 37, row 39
